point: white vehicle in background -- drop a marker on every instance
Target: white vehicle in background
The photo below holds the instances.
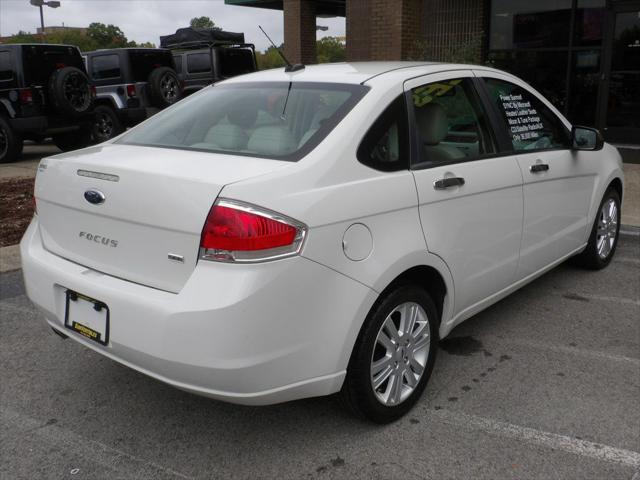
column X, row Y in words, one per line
column 293, row 234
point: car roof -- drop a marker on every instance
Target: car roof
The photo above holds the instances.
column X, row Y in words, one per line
column 127, row 49
column 353, row 72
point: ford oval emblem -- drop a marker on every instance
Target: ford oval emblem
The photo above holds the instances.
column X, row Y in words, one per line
column 94, row 196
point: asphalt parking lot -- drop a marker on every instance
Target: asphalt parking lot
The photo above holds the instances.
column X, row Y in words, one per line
column 545, row 385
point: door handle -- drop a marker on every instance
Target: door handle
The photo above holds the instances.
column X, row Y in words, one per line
column 445, row 183
column 539, row 167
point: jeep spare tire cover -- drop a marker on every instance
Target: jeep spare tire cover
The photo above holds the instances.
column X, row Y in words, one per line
column 70, row 91
column 164, row 87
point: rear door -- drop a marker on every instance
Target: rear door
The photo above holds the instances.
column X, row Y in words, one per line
column 470, row 197
column 557, row 185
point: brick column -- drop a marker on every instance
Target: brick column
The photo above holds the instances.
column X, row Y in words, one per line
column 383, row 29
column 300, row 31
column 358, row 14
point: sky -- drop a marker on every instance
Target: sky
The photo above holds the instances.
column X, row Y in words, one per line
column 146, row 20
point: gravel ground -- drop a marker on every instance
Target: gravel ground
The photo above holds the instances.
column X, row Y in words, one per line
column 16, row 208
column 543, row 385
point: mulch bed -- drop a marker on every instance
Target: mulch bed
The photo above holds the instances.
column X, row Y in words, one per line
column 16, row 208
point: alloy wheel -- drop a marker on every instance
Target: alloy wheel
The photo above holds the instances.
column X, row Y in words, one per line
column 400, row 353
column 76, row 92
column 607, row 228
column 104, row 126
column 169, row 87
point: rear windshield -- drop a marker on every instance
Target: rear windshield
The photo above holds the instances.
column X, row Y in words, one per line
column 235, row 61
column 278, row 120
column 142, row 63
column 41, row 61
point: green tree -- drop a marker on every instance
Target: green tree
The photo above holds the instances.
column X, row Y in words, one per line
column 23, row 37
column 107, row 36
column 330, row 49
column 203, row 22
column 270, row 58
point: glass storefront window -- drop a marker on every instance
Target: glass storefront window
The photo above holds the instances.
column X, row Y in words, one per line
column 585, row 79
column 545, row 71
column 527, row 24
column 589, row 23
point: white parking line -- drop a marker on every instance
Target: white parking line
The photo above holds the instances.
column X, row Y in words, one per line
column 629, row 260
column 97, row 452
column 560, row 349
column 604, row 298
column 554, row 441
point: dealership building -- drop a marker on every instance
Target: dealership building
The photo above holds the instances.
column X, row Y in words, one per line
column 584, row 55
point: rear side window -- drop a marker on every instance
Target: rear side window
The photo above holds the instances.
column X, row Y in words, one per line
column 235, row 61
column 450, row 122
column 105, row 66
column 143, row 62
column 6, row 70
column 529, row 123
column 278, row 120
column 385, row 145
column 198, row 63
column 40, row 61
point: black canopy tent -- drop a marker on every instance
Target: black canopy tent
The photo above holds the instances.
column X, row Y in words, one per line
column 185, row 37
column 194, row 38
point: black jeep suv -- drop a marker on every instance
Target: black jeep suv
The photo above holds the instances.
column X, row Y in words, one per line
column 44, row 92
column 131, row 85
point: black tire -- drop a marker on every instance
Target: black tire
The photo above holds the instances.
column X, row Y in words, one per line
column 70, row 92
column 106, row 124
column 591, row 257
column 164, row 87
column 10, row 142
column 358, row 392
column 73, row 140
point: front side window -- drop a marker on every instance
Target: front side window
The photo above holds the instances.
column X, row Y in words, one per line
column 450, row 122
column 199, row 63
column 105, row 66
column 529, row 123
column 278, row 120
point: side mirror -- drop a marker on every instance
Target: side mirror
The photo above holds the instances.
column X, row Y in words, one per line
column 585, row 138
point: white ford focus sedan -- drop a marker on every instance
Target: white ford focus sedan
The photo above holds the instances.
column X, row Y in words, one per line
column 292, row 234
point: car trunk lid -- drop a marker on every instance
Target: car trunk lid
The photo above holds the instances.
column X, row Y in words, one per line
column 147, row 229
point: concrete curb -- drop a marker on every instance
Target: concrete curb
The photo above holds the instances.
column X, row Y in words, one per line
column 10, row 258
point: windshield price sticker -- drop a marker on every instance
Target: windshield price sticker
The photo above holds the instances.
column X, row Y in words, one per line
column 524, row 121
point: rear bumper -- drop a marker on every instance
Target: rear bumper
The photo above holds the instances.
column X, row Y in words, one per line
column 251, row 334
column 43, row 125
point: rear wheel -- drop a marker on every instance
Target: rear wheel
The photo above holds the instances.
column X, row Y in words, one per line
column 10, row 143
column 106, row 125
column 73, row 140
column 604, row 234
column 393, row 356
column 70, row 91
column 164, row 87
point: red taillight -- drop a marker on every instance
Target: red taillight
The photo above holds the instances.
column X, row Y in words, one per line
column 26, row 96
column 237, row 232
column 93, row 91
column 131, row 90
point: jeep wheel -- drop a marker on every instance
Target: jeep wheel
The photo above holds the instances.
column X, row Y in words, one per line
column 73, row 140
column 164, row 87
column 10, row 143
column 70, row 91
column 106, row 125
